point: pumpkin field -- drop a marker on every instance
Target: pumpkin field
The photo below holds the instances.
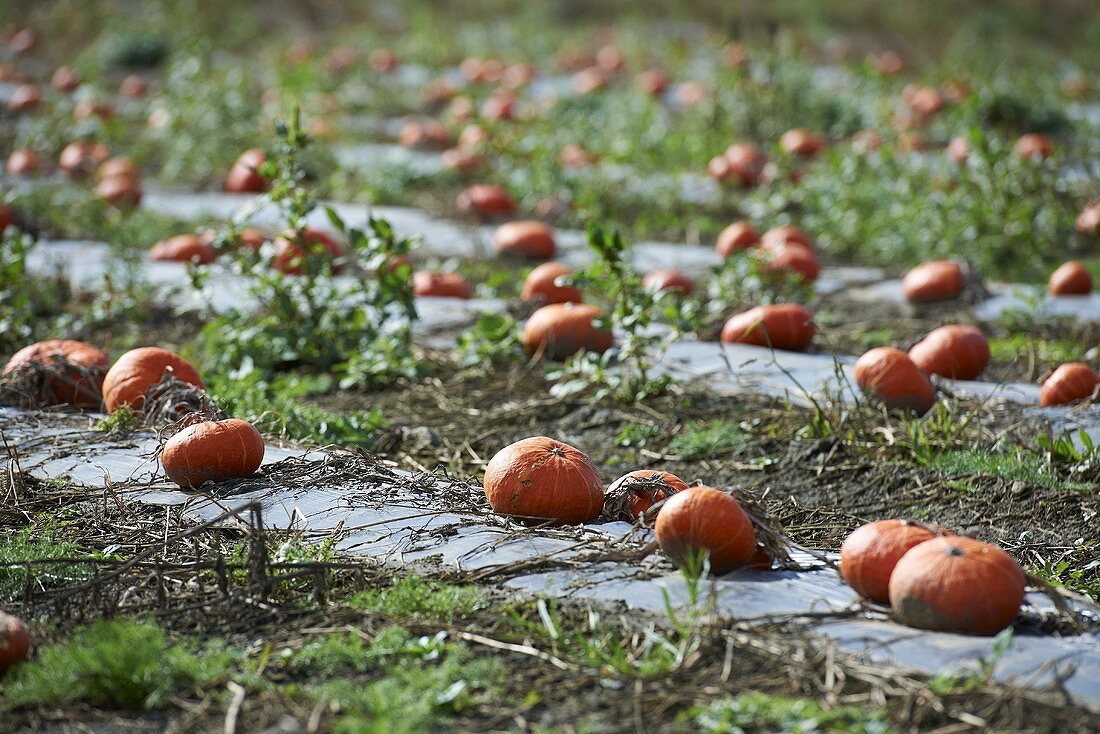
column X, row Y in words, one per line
column 571, row 367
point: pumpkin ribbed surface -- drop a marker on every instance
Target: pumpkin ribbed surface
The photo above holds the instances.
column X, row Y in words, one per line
column 212, row 451
column 890, row 377
column 870, row 553
column 74, row 387
column 541, row 283
column 782, row 326
column 539, row 479
column 705, row 519
column 563, row 329
column 932, row 282
column 528, row 239
column 958, row 352
column 140, row 369
column 1068, row 384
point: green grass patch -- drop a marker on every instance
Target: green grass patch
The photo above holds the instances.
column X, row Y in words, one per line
column 1019, row 466
column 36, row 542
column 1009, row 349
column 754, row 711
column 708, row 438
column 125, row 664
column 419, row 598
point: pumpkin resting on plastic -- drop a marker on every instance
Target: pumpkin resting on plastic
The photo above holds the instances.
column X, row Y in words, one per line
column 956, row 584
column 736, row 237
column 292, row 251
column 563, row 329
column 15, row 641
column 540, row 480
column 528, row 239
column 243, row 177
column 485, row 200
column 446, row 285
column 1068, row 384
column 869, row 554
column 932, row 282
column 668, row 279
column 890, row 377
column 81, row 385
column 958, row 352
column 1070, row 279
column 140, row 369
column 705, row 519
column 782, row 326
column 542, row 283
column 212, row 451
column 186, row 248
column 647, row 487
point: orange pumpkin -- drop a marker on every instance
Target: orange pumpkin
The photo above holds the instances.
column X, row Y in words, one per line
column 291, row 253
column 1088, row 221
column 80, row 386
column 610, row 58
column 425, row 134
column 542, row 283
column 782, row 326
column 932, row 282
column 801, row 143
column 958, row 150
column 446, row 285
column 574, row 156
column 24, row 98
column 652, row 82
column 588, row 80
column 789, row 233
column 705, row 519
column 957, row 584
column 869, row 554
column 647, row 487
column 790, row 258
column 668, row 279
column 1034, row 146
column 485, row 200
column 499, row 106
column 213, row 451
column 528, row 239
column 15, row 641
column 383, row 60
column 542, row 480
column 746, row 164
column 1070, row 279
column 458, row 159
column 925, row 101
column 140, row 369
column 867, row 140
column 890, row 377
column 120, row 191
column 958, row 352
column 1068, row 384
column 244, row 176
column 735, row 238
column 563, row 329
column 64, row 79
column 133, row 86
column 22, row 162
column 82, row 157
column 187, row 248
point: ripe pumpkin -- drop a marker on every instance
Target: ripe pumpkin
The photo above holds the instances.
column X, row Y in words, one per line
column 81, row 385
column 133, row 86
column 788, row 233
column 527, row 239
column 705, row 519
column 1070, row 279
column 1088, row 221
column 457, row 159
column 563, row 329
column 120, row 190
column 668, row 279
column 869, row 554
column 958, row 352
column 213, row 451
column 89, row 107
column 425, row 134
column 736, row 237
column 186, row 248
column 1068, row 384
column 82, row 157
column 540, row 480
column 383, row 60
column 791, row 258
column 15, row 641
column 243, row 176
column 925, row 101
column 22, row 162
column 867, row 140
column 499, row 106
column 64, row 79
column 956, row 584
column 958, row 150
column 1034, row 146
column 588, row 80
column 801, row 143
column 140, row 369
column 647, row 487
column 934, row 281
column 610, row 58
column 447, row 285
column 541, row 283
column 782, row 326
column 574, row 156
column 652, row 82
column 486, row 200
column 890, row 377
column 472, row 137
column 746, row 164
column 24, row 98
column 291, row 257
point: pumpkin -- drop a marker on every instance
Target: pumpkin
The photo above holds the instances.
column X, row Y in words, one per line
column 735, row 55
column 24, row 98
column 472, row 137
column 1070, row 279
column 932, row 282
column 1068, row 384
column 529, row 239
column 869, row 554
column 957, row 584
column 1034, row 146
column 82, row 157
column 647, row 487
column 560, row 330
column 426, row 134
column 446, row 285
column 499, row 106
column 22, row 162
column 485, row 200
column 79, row 385
column 610, row 58
column 117, row 168
column 517, row 76
column 15, row 641
column 890, row 377
column 89, row 107
column 889, row 63
column 789, row 233
column 958, row 150
column 186, row 248
column 691, row 93
column 212, row 451
column 1088, row 221
column 588, row 80
column 958, row 352
column 140, row 369
column 668, row 279
column 291, row 258
column 542, row 480
column 383, row 60
column 925, row 101
column 705, row 519
column 243, row 176
column 542, row 284
column 133, row 86
column 22, row 41
column 867, row 140
column 719, row 168
column 652, row 82
column 120, row 191
column 801, row 143
column 574, row 156
column 64, row 79
column 782, row 326
column 746, row 164
column 735, row 238
column 791, row 258
column 7, row 218
column 457, row 159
